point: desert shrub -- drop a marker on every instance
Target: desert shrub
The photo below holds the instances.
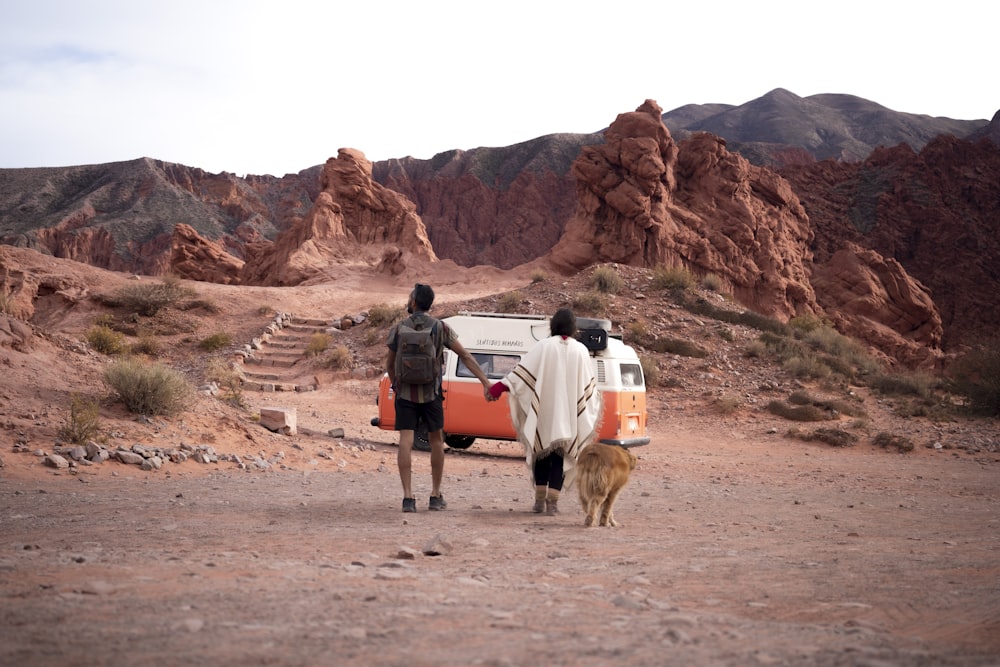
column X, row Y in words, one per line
column 637, row 331
column 339, row 358
column 222, row 373
column 650, row 371
column 712, row 282
column 149, row 298
column 727, row 405
column 105, row 320
column 832, row 406
column 146, row 345
column 83, row 422
column 538, row 276
column 510, row 302
column 318, row 344
column 147, row 389
column 590, row 304
column 800, row 413
column 748, row 318
column 6, row 303
column 206, row 305
column 382, row 314
column 899, row 442
column 267, row 310
column 831, row 436
column 726, row 334
column 902, row 384
column 669, row 278
column 605, row 279
column 755, row 349
column 216, row 341
column 806, row 366
column 678, row 346
column 976, row 375
column 106, row 341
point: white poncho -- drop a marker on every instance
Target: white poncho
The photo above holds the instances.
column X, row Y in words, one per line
column 554, row 401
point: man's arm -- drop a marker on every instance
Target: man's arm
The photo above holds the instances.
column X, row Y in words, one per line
column 390, row 366
column 472, row 365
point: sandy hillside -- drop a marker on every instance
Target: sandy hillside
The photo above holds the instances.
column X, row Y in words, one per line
column 740, row 545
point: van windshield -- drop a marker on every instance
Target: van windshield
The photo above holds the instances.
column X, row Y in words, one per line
column 495, row 365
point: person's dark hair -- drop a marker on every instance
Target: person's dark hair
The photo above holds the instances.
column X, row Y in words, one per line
column 423, row 296
column 563, row 323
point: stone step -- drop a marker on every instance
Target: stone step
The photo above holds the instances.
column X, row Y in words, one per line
column 267, row 361
column 311, row 322
column 261, row 377
column 305, row 328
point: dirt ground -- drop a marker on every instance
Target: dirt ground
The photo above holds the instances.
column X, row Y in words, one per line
column 738, row 545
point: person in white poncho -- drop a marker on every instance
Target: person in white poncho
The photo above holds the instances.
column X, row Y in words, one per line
column 555, row 406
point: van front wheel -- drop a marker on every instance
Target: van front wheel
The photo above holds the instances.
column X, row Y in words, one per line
column 420, row 440
column 459, row 441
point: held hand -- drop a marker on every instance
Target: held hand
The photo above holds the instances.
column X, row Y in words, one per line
column 487, row 395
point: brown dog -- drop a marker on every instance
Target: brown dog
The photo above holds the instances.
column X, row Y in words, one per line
column 602, row 471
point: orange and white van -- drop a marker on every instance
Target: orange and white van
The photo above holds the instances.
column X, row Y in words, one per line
column 498, row 341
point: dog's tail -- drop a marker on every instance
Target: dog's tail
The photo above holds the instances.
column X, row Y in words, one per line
column 592, row 478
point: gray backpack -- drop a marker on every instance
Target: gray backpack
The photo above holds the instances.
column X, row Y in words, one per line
column 416, row 355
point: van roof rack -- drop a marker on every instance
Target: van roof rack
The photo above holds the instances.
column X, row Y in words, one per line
column 512, row 316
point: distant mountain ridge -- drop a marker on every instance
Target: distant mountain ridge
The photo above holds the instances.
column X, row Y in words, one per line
column 509, row 206
column 827, row 126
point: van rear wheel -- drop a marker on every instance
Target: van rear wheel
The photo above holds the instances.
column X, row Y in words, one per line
column 459, row 441
column 420, row 439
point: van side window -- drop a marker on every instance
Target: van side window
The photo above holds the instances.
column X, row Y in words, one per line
column 494, row 365
column 631, row 375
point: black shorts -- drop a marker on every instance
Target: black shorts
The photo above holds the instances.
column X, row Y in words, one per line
column 410, row 414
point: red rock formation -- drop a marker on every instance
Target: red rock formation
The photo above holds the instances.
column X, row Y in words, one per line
column 643, row 200
column 351, row 212
column 935, row 212
column 196, row 258
column 872, row 298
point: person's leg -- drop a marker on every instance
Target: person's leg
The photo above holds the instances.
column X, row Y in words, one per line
column 433, row 416
column 540, row 471
column 555, row 483
column 404, row 461
column 406, row 421
column 436, row 439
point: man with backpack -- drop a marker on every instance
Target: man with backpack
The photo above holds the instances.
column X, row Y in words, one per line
column 416, row 352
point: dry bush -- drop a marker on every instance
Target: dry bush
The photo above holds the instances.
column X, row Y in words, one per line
column 637, row 331
column 510, row 302
column 148, row 389
column 712, row 282
column 976, row 375
column 606, row 280
column 665, row 278
column 383, row 315
column 216, row 341
column 538, row 276
column 106, row 341
column 678, row 346
column 800, row 413
column 339, row 358
column 83, row 422
column 146, row 345
column 590, row 304
column 900, row 442
column 318, row 344
column 148, row 299
column 727, row 405
column 831, row 436
column 650, row 371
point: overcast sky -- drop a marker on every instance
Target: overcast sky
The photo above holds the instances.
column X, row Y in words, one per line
column 277, row 86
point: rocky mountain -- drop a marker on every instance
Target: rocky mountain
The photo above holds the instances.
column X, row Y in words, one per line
column 782, row 128
column 652, row 188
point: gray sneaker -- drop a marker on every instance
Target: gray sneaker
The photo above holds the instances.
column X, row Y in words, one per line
column 437, row 503
column 409, row 504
